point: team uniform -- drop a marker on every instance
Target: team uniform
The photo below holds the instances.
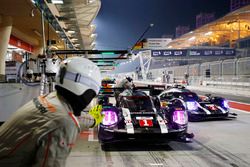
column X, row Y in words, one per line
column 46, row 135
column 43, row 131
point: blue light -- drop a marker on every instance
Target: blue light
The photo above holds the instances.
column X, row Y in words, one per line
column 180, row 117
column 192, row 105
column 225, row 104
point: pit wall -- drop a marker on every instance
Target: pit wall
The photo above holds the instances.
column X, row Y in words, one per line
column 227, row 74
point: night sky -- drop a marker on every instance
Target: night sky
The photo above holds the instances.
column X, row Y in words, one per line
column 121, row 22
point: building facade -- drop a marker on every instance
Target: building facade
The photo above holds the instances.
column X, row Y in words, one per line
column 236, row 4
column 204, row 18
column 180, row 30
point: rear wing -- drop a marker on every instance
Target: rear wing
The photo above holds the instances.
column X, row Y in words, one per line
column 151, row 90
column 156, row 90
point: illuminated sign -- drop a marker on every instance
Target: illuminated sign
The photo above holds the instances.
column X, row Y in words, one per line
column 162, row 53
column 156, row 43
column 192, row 52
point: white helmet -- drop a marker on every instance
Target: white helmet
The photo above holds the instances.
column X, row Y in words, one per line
column 79, row 74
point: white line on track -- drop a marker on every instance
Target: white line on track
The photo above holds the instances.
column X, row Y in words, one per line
column 242, row 111
column 91, row 135
column 155, row 164
column 239, row 102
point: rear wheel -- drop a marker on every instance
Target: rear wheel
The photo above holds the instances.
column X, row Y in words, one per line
column 194, row 118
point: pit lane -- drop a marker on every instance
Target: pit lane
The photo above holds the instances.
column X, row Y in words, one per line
column 229, row 97
column 216, row 143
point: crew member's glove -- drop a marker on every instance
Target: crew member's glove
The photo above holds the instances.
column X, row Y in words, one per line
column 95, row 112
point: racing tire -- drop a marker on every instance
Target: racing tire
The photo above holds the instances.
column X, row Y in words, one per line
column 105, row 147
column 192, row 118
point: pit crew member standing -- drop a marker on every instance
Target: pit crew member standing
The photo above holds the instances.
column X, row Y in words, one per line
column 125, row 85
column 43, row 131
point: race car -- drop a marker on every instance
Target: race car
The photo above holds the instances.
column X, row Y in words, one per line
column 137, row 117
column 198, row 107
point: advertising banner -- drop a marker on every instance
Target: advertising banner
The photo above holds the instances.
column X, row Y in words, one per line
column 156, row 43
column 165, row 53
column 192, row 52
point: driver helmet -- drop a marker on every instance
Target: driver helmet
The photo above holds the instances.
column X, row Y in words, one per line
column 127, row 83
column 129, row 79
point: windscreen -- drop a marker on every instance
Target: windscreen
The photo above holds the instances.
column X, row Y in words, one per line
column 186, row 95
column 137, row 102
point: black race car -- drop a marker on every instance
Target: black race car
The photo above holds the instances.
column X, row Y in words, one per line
column 198, row 107
column 139, row 116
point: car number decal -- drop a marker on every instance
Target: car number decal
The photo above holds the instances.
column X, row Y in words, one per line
column 212, row 107
column 128, row 121
column 162, row 124
column 146, row 122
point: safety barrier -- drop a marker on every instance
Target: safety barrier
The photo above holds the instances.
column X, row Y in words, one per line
column 239, row 106
column 229, row 73
column 226, row 84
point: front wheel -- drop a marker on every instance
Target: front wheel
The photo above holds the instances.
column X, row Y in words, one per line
column 105, row 147
column 104, row 135
column 184, row 136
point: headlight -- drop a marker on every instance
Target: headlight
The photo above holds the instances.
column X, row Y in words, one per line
column 191, row 105
column 110, row 118
column 225, row 104
column 180, row 117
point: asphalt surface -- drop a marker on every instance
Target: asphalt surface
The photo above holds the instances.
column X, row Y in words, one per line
column 217, row 143
column 231, row 97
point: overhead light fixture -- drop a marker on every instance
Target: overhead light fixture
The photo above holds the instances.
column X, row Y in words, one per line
column 192, row 38
column 208, row 33
column 32, row 12
column 93, row 35
column 71, row 31
column 74, row 39
column 57, row 2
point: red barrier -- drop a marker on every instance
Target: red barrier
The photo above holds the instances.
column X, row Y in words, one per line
column 239, row 106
